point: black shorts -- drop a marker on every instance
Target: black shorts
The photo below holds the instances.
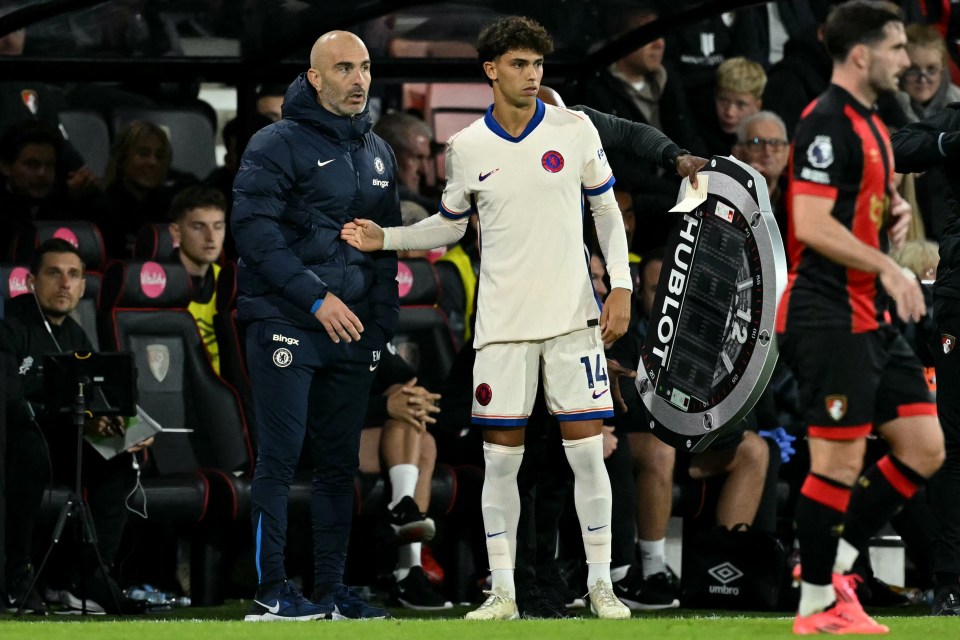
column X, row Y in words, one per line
column 850, row 382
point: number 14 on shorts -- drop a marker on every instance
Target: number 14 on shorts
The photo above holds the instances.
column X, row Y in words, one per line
column 596, row 373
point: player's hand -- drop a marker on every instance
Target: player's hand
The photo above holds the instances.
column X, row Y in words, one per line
column 413, row 405
column 615, row 371
column 687, row 167
column 365, row 235
column 338, row 319
column 900, row 213
column 609, row 441
column 615, row 316
column 901, row 285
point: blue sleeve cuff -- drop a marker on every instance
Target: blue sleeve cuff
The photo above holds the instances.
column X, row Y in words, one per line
column 316, row 305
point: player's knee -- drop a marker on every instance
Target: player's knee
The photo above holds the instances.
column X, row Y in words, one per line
column 428, row 449
column 753, row 453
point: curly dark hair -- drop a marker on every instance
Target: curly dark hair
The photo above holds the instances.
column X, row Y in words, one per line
column 512, row 33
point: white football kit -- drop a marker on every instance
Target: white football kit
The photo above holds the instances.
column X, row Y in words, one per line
column 536, row 301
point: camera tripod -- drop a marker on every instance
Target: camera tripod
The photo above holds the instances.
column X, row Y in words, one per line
column 76, row 508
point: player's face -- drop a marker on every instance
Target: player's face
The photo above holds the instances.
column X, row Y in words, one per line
column 344, row 77
column 732, row 106
column 888, row 59
column 923, row 78
column 200, row 235
column 517, row 76
column 58, row 283
column 32, row 173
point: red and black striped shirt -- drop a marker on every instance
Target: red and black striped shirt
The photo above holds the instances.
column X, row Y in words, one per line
column 842, row 151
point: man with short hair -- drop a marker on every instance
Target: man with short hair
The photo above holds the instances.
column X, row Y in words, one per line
column 317, row 314
column 762, row 143
column 198, row 227
column 856, row 373
column 410, row 139
column 34, row 325
column 524, row 168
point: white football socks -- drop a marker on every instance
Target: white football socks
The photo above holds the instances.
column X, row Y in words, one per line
column 593, row 500
column 500, row 503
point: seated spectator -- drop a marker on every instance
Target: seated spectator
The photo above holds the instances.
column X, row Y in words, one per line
column 28, row 161
column 270, row 100
column 395, row 439
column 740, row 455
column 139, row 186
column 22, row 102
column 640, row 88
column 762, row 143
column 39, row 443
column 410, row 137
column 925, row 90
column 198, row 227
column 738, row 94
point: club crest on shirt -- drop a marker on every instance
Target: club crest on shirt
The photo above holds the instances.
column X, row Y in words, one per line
column 820, row 152
column 948, row 342
column 836, row 406
column 552, row 161
column 378, row 165
column 484, row 394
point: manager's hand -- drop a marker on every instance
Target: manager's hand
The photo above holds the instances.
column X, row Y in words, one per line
column 365, row 235
column 338, row 319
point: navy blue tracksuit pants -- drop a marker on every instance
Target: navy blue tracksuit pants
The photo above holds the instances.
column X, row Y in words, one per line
column 304, row 384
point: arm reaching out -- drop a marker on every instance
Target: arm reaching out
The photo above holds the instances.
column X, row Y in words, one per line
column 365, row 235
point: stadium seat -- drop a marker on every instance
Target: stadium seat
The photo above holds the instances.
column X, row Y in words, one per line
column 423, row 334
column 204, row 427
column 85, row 236
column 449, row 107
column 192, row 136
column 154, row 242
column 88, row 133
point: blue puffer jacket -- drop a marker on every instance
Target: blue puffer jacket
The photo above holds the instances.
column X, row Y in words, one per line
column 300, row 180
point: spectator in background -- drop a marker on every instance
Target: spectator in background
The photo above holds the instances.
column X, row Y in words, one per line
column 410, row 139
column 738, row 94
column 28, row 160
column 198, row 225
column 698, row 49
column 926, row 89
column 762, row 143
column 235, row 139
column 35, row 101
column 640, row 88
column 270, row 101
column 139, row 186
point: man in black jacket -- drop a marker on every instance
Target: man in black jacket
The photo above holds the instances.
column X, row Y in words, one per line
column 919, row 147
column 35, row 325
column 317, row 313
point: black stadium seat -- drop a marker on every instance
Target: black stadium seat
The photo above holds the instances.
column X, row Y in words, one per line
column 88, row 132
column 85, row 236
column 423, row 334
column 154, row 242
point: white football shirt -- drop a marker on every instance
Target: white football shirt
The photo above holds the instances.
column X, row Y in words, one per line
column 534, row 274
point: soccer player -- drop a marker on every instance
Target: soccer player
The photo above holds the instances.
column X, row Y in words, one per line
column 856, row 373
column 523, row 168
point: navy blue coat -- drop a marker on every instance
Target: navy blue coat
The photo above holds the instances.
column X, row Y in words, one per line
column 300, row 180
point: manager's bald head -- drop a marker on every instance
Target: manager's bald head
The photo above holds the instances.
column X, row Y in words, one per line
column 340, row 72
